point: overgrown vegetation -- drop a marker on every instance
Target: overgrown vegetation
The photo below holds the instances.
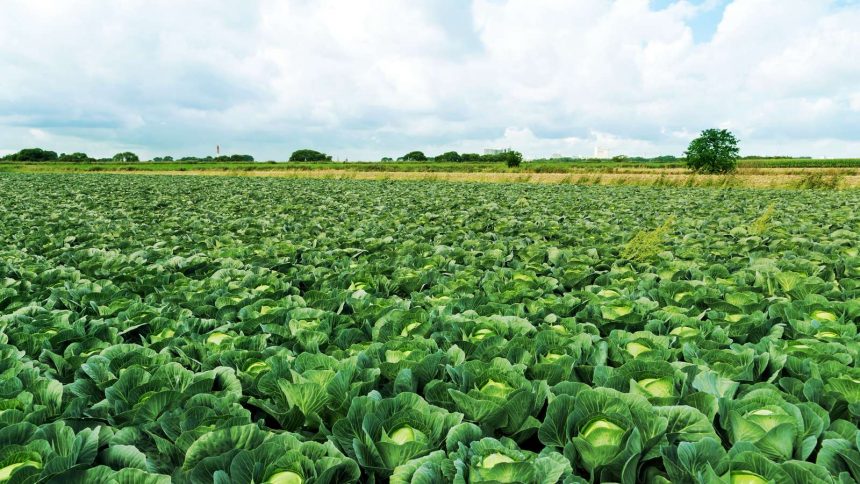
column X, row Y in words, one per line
column 646, row 244
column 760, row 225
column 819, row 181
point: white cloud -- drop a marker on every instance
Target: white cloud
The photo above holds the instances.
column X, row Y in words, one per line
column 378, row 77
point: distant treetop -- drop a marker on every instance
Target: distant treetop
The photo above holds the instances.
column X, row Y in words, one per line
column 309, row 155
column 125, row 157
column 414, row 156
column 32, row 154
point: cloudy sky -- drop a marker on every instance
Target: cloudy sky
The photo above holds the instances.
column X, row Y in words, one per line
column 369, row 78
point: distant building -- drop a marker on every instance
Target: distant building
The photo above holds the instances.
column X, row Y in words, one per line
column 556, row 156
column 493, row 151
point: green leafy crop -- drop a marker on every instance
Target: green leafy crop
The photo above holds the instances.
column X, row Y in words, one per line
column 239, row 330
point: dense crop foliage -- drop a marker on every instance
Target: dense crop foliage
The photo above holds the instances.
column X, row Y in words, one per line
column 297, row 331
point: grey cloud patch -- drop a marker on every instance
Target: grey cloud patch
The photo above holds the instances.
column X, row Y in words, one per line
column 270, row 76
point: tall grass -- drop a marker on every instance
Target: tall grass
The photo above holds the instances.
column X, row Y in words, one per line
column 819, row 181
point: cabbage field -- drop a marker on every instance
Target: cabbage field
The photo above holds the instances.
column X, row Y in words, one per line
column 250, row 330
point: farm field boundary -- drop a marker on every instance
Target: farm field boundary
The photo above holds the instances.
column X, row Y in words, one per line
column 539, row 166
column 754, row 178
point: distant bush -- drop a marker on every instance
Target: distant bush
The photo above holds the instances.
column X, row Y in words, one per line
column 32, row 155
column 309, row 155
column 510, row 158
column 470, row 157
column 414, row 156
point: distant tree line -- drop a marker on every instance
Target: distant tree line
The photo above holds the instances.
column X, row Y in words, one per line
column 508, row 157
column 618, row 158
column 206, row 159
column 309, row 155
column 38, row 155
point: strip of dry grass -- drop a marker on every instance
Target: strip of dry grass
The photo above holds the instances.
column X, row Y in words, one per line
column 749, row 178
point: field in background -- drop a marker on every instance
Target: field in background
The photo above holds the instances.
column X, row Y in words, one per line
column 479, row 167
column 757, row 173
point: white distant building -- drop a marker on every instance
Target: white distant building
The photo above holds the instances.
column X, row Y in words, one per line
column 494, row 151
column 556, row 156
column 601, row 153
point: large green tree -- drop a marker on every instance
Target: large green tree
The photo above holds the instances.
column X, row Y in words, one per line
column 309, row 155
column 32, row 154
column 714, row 151
column 414, row 156
column 125, row 157
column 74, row 158
column 451, row 156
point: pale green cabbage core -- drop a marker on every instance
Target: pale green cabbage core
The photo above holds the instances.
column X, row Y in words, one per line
column 392, row 356
column 658, row 387
column 406, row 434
column 734, row 318
column 409, row 328
column 746, row 477
column 823, row 316
column 496, row 389
column 493, row 460
column 603, row 433
column 286, row 477
column 635, row 349
column 163, row 335
column 217, row 338
column 551, row 357
column 257, row 367
column 684, row 332
column 768, row 417
column 481, row 334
